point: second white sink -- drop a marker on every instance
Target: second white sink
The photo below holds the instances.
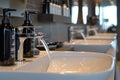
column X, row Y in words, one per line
column 91, row 45
column 102, row 36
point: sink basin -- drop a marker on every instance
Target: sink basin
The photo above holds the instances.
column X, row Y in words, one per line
column 77, row 63
column 91, row 45
column 107, row 34
column 103, row 36
column 92, row 42
column 65, row 65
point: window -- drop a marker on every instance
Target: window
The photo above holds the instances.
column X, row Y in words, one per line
column 75, row 10
column 108, row 16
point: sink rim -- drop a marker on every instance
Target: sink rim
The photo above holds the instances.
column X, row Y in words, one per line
column 18, row 75
column 73, row 52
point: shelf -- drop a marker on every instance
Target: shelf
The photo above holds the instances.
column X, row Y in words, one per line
column 53, row 18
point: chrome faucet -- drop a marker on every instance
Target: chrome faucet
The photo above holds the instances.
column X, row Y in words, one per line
column 73, row 31
column 34, row 35
column 23, row 37
column 91, row 28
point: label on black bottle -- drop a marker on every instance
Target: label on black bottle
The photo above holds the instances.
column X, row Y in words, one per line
column 12, row 44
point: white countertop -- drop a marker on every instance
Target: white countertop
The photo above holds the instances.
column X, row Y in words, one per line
column 19, row 64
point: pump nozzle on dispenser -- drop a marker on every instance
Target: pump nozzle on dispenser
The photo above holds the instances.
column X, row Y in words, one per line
column 6, row 13
column 27, row 21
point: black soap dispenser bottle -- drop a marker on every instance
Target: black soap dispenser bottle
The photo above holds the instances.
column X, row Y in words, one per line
column 28, row 31
column 7, row 41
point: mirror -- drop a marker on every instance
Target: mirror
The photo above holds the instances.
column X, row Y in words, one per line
column 74, row 12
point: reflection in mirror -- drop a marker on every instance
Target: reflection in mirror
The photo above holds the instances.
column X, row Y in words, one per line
column 108, row 16
column 75, row 13
column 75, row 10
column 85, row 13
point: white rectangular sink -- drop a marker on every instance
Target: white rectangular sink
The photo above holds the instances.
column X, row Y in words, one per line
column 84, row 63
column 102, row 36
column 107, row 34
column 91, row 45
column 66, row 65
column 92, row 42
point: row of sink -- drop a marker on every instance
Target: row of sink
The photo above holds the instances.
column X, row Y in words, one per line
column 100, row 43
column 67, row 65
column 87, row 62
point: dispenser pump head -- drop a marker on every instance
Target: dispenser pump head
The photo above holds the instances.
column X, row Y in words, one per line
column 6, row 13
column 27, row 21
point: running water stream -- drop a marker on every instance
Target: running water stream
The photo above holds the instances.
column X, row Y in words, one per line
column 45, row 46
